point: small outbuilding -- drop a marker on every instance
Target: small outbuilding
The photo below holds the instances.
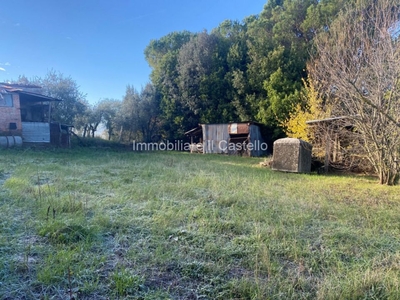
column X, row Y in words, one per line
column 25, row 117
column 339, row 144
column 243, row 138
column 292, row 155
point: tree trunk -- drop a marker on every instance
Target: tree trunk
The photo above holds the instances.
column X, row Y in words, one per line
column 120, row 134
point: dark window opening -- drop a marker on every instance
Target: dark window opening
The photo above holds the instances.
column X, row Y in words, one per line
column 35, row 112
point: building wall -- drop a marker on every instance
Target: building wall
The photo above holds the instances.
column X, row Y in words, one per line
column 36, row 132
column 11, row 115
column 256, row 139
column 231, row 139
column 215, row 138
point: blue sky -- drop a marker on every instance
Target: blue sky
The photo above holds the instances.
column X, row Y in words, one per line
column 100, row 44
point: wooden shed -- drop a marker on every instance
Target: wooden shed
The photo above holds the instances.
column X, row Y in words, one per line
column 338, row 142
column 243, row 138
column 26, row 113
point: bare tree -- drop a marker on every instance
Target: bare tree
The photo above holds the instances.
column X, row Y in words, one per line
column 357, row 61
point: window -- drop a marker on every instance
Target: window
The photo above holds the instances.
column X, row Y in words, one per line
column 6, row 100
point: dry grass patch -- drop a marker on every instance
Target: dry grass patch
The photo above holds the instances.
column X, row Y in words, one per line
column 92, row 224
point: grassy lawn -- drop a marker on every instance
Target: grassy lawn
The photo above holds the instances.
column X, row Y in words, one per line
column 87, row 224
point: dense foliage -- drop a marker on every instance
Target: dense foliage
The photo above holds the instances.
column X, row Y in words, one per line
column 248, row 70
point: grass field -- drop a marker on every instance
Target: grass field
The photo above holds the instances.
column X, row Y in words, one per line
column 87, row 224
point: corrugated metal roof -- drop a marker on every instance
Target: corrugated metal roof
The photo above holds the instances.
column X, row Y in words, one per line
column 225, row 138
column 36, row 95
column 241, row 127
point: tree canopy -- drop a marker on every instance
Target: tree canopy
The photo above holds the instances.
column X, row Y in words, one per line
column 247, row 70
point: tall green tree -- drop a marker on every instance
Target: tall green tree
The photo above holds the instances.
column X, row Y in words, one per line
column 109, row 109
column 149, row 113
column 238, row 90
column 278, row 49
column 128, row 116
column 136, row 117
column 73, row 103
column 162, row 56
column 202, row 78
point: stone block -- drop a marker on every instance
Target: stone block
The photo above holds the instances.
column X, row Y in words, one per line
column 292, row 155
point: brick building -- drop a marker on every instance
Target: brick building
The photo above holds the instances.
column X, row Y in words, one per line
column 26, row 114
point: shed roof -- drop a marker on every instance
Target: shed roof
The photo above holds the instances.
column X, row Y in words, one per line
column 194, row 131
column 29, row 96
column 327, row 120
column 26, row 91
column 19, row 86
column 198, row 129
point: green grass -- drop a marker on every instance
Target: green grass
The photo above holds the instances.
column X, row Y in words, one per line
column 103, row 224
